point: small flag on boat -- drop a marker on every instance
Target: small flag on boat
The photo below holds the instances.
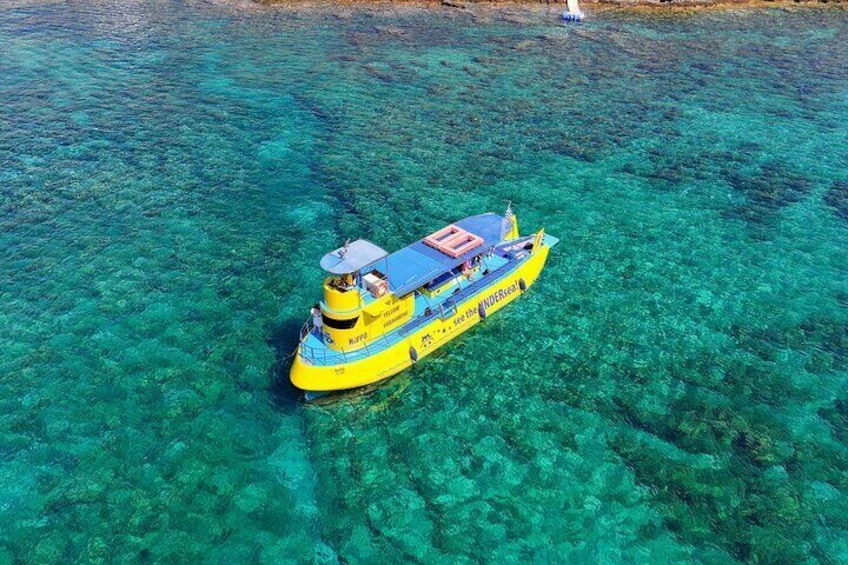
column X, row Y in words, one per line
column 508, row 221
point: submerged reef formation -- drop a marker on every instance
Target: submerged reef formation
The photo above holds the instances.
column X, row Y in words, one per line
column 837, row 198
column 767, row 188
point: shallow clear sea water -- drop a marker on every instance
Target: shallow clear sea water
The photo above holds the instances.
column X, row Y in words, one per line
column 675, row 387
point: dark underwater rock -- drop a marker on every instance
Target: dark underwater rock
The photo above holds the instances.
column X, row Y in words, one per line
column 774, row 186
column 836, row 416
column 837, row 198
column 572, row 148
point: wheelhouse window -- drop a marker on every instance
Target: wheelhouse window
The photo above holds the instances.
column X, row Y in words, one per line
column 339, row 324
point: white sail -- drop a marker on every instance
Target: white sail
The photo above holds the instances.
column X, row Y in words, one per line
column 573, row 7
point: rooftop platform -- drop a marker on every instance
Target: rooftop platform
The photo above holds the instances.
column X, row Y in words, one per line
column 418, row 263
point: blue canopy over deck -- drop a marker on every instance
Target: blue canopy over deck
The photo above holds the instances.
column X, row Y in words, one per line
column 351, row 257
column 417, row 264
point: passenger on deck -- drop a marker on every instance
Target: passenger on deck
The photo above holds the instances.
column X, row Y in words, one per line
column 466, row 268
column 343, row 283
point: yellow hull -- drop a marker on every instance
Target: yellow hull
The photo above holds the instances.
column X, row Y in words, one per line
column 421, row 341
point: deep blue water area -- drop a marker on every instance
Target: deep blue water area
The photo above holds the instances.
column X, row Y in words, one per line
column 674, row 388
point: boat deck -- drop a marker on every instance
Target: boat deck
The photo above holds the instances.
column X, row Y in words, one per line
column 503, row 260
column 417, row 264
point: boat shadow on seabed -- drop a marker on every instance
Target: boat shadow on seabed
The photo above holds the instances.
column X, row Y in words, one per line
column 283, row 337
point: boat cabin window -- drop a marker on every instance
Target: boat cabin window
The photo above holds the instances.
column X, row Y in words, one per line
column 338, row 324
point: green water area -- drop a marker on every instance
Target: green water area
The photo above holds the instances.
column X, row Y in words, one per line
column 673, row 389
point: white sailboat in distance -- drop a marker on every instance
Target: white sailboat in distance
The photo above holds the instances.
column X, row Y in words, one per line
column 573, row 12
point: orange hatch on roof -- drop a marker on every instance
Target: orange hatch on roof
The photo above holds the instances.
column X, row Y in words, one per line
column 453, row 241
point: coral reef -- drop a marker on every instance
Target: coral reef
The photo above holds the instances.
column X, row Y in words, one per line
column 837, row 198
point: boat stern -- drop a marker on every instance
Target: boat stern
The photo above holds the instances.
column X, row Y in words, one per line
column 312, row 371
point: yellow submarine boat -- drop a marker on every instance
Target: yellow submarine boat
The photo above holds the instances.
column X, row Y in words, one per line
column 383, row 312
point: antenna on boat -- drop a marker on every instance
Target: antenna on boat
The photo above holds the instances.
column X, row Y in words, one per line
column 508, row 221
column 343, row 250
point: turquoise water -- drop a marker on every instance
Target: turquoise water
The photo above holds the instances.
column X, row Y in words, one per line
column 673, row 389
